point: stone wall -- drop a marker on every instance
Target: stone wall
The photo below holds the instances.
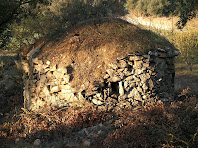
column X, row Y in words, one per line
column 134, row 80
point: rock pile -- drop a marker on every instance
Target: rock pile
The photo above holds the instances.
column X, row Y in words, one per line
column 134, row 80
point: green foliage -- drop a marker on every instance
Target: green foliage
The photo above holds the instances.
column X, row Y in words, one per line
column 35, row 20
column 187, row 11
column 12, row 16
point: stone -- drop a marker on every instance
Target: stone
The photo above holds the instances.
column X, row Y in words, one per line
column 65, row 91
column 49, row 75
column 46, row 91
column 120, row 70
column 126, row 72
column 135, row 94
column 121, row 89
column 37, row 142
column 170, row 53
column 129, row 78
column 132, row 84
column 161, row 50
column 175, row 53
column 130, row 63
column 106, row 76
column 135, row 58
column 86, row 143
column 137, row 64
column 122, row 64
column 32, row 53
column 114, row 79
column 145, row 65
column 99, row 96
column 151, row 85
column 66, row 87
column 146, row 56
column 120, row 75
column 42, row 78
column 124, row 104
column 70, row 97
column 17, row 140
column 153, row 53
column 58, row 74
column 136, row 79
column 54, row 89
column 158, row 60
column 145, row 87
column 37, row 61
column 145, row 97
column 80, row 96
column 97, row 102
column 144, row 77
column 140, row 89
column 32, row 89
column 39, row 68
column 114, row 66
column 111, row 72
column 46, row 70
column 48, row 62
column 25, row 67
column 62, row 70
column 66, row 78
column 53, row 68
column 139, row 71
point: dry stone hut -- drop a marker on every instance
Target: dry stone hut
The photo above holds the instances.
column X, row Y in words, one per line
column 107, row 62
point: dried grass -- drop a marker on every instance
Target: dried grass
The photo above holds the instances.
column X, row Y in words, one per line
column 175, row 125
column 90, row 46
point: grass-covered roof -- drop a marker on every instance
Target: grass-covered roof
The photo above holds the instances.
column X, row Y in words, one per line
column 91, row 45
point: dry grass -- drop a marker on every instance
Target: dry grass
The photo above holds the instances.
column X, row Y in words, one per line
column 175, row 125
column 164, row 22
column 90, row 46
column 186, row 78
column 52, row 123
column 183, row 70
column 158, row 126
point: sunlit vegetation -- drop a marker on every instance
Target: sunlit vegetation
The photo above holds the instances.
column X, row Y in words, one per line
column 185, row 41
column 185, row 9
column 164, row 125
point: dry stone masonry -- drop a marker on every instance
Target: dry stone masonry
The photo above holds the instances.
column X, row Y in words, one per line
column 134, row 80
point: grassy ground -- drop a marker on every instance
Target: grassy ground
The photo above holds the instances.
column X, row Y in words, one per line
column 183, row 70
column 186, row 78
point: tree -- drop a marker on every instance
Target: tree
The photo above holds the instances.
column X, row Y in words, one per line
column 13, row 11
column 187, row 11
column 23, row 21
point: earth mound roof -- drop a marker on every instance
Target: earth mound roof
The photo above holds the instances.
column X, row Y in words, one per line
column 92, row 45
